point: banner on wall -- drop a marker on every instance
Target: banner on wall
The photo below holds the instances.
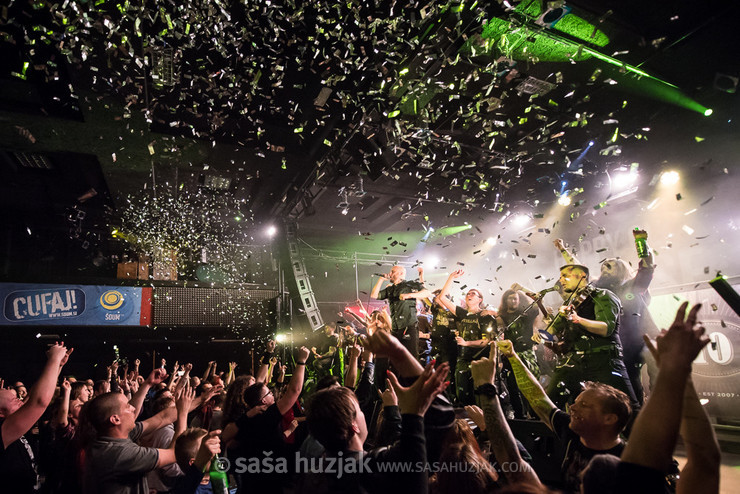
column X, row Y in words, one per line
column 75, row 305
column 716, row 371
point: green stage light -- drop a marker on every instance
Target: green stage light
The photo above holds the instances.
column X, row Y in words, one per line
column 708, row 112
column 453, row 230
column 527, row 42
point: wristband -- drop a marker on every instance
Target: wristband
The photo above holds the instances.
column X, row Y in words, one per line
column 300, row 363
column 487, row 389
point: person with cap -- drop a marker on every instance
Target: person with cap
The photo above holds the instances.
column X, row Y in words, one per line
column 587, row 327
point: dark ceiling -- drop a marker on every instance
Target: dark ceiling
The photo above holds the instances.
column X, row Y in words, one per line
column 456, row 106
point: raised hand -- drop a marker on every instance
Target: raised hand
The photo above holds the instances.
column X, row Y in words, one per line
column 457, row 273
column 156, row 377
column 416, row 398
column 66, row 387
column 476, row 415
column 388, row 397
column 211, row 392
column 559, row 244
column 65, row 358
column 184, row 399
column 483, row 371
column 383, row 343
column 302, row 354
column 355, row 351
column 683, row 341
column 57, row 351
column 506, row 347
column 210, row 446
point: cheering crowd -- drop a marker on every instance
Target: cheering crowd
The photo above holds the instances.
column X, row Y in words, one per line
column 419, row 401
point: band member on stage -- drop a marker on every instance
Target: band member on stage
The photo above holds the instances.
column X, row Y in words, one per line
column 402, row 296
column 587, row 327
column 517, row 323
column 444, row 345
column 327, row 360
column 632, row 290
column 473, row 328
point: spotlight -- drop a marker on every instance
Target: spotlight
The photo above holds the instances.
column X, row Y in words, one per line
column 491, row 241
column 432, row 261
column 271, row 231
column 708, row 112
column 281, row 337
column 521, row 220
column 591, row 143
column 564, row 200
column 670, row 177
column 624, row 179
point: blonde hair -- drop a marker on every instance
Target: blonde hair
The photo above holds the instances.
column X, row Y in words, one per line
column 379, row 320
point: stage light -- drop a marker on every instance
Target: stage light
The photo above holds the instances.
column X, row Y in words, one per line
column 708, row 112
column 521, row 220
column 670, row 177
column 432, row 261
column 345, row 211
column 281, row 337
column 564, row 200
column 271, row 231
column 491, row 241
column 591, row 143
column 624, row 179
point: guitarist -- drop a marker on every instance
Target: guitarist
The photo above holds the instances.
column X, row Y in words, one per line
column 588, row 328
column 325, row 352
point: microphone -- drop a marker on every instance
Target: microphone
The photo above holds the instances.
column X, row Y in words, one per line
column 553, row 288
column 382, row 275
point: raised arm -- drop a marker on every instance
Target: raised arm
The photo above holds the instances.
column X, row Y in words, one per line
column 20, row 421
column 171, row 381
column 376, row 289
column 265, row 362
column 421, row 274
column 382, row 343
column 655, row 430
column 351, row 376
column 231, row 375
column 528, row 384
column 502, row 439
column 60, row 419
column 420, row 295
column 295, row 386
column 155, row 377
column 165, row 417
column 569, row 258
column 701, row 472
column 442, row 296
column 185, row 398
column 207, row 373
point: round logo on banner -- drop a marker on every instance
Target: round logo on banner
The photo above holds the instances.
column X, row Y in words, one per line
column 111, row 300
